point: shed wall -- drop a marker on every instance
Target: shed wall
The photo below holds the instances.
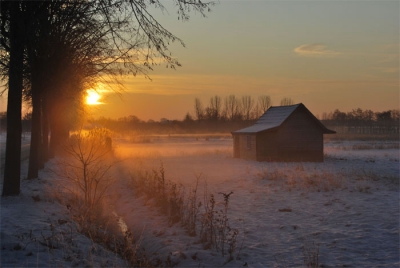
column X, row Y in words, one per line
column 297, row 139
column 245, row 146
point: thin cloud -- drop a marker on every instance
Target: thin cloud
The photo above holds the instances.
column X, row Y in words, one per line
column 315, row 50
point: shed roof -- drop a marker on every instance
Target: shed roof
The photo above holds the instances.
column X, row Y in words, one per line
column 275, row 116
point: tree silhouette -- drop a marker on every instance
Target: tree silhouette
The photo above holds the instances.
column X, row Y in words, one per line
column 287, row 101
column 264, row 102
column 58, row 63
column 12, row 40
column 232, row 107
column 247, row 106
column 198, row 109
column 213, row 112
column 136, row 38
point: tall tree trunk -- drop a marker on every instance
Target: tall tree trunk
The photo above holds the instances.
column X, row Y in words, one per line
column 58, row 126
column 36, row 131
column 45, row 132
column 55, row 136
column 12, row 169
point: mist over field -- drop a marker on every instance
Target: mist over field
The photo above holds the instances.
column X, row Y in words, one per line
column 342, row 212
column 343, row 209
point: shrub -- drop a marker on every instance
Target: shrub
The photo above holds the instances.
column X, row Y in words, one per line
column 84, row 171
column 311, row 255
column 215, row 229
column 170, row 198
column 86, row 165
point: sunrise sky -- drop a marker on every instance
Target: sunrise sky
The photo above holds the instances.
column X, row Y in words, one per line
column 325, row 54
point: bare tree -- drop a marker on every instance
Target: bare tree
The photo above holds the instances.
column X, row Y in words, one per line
column 231, row 107
column 265, row 102
column 247, row 106
column 198, row 109
column 58, row 61
column 137, row 39
column 86, row 168
column 368, row 115
column 257, row 111
column 287, row 101
column 326, row 116
column 188, row 118
column 214, row 110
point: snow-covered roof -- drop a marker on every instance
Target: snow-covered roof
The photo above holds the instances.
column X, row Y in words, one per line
column 273, row 118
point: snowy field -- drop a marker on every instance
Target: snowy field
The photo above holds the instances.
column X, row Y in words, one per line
column 345, row 209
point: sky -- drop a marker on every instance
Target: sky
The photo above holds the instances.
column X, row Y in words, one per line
column 325, row 54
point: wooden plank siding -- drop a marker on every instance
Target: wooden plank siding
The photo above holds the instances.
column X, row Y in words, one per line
column 241, row 147
column 298, row 139
column 267, row 147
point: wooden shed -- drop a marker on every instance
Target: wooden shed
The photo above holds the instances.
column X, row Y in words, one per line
column 283, row 133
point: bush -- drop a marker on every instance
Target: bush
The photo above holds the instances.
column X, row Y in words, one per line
column 170, row 198
column 86, row 165
column 84, row 170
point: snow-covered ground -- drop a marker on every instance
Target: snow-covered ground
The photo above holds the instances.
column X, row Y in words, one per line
column 346, row 207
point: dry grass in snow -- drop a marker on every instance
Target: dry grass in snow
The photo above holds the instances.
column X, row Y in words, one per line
column 340, row 213
column 347, row 207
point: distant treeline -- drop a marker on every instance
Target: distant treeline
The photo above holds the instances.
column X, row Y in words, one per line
column 232, row 113
column 360, row 121
column 165, row 126
column 220, row 115
column 360, row 115
column 357, row 121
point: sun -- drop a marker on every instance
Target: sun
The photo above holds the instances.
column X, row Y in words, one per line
column 92, row 97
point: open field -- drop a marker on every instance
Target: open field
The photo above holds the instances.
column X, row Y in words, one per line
column 343, row 212
column 346, row 209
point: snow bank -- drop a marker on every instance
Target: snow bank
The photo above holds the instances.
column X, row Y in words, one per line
column 38, row 232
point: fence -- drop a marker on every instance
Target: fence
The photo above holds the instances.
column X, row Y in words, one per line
column 372, row 129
